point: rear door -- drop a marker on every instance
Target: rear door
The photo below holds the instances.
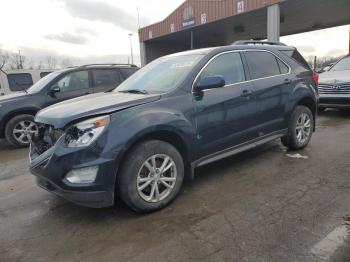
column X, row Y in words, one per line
column 225, row 117
column 272, row 80
column 105, row 80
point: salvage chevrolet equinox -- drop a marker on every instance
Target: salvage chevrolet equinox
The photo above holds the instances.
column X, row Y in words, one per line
column 179, row 112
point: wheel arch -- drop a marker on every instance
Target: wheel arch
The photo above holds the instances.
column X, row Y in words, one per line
column 311, row 104
column 12, row 114
column 170, row 136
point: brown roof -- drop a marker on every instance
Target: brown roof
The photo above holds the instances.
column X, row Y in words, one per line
column 213, row 10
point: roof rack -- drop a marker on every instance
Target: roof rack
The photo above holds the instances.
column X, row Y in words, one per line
column 130, row 65
column 256, row 42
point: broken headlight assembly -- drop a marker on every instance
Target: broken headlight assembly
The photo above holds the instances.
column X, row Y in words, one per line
column 85, row 133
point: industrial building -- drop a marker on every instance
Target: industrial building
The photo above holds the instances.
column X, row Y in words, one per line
column 206, row 23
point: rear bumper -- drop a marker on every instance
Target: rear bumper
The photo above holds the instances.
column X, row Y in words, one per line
column 51, row 168
column 334, row 101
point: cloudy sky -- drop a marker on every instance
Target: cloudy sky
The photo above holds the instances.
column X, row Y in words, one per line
column 97, row 30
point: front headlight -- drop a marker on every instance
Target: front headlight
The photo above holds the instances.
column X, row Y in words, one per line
column 86, row 132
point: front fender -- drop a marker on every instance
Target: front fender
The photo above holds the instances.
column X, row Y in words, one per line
column 131, row 125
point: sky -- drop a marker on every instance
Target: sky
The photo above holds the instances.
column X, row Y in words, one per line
column 98, row 30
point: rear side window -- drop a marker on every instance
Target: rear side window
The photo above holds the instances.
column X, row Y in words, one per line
column 262, row 64
column 283, row 67
column 106, row 78
column 294, row 54
column 19, row 82
column 229, row 66
column 43, row 74
column 126, row 72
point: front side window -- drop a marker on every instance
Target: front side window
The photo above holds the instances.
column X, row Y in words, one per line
column 342, row 65
column 74, row 81
column 262, row 64
column 162, row 75
column 19, row 82
column 229, row 66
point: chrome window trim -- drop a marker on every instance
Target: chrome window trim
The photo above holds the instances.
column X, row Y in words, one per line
column 247, row 81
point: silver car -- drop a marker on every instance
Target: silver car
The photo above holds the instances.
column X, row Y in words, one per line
column 334, row 85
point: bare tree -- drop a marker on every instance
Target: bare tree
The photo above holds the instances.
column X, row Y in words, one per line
column 16, row 61
column 66, row 62
column 51, row 62
column 40, row 65
column 4, row 58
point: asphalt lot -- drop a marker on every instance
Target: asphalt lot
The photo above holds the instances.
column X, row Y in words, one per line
column 261, row 205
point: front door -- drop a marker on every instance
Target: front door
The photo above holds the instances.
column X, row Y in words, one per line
column 71, row 85
column 224, row 117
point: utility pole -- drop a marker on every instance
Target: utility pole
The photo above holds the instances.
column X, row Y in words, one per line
column 138, row 17
column 132, row 56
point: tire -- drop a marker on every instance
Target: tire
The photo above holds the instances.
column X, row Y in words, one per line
column 135, row 168
column 20, row 122
column 292, row 141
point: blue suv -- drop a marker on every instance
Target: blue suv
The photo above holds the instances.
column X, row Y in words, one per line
column 179, row 112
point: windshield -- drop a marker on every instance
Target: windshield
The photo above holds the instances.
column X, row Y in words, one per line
column 343, row 64
column 160, row 76
column 38, row 86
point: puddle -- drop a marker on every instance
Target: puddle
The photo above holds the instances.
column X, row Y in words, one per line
column 329, row 245
column 297, row 156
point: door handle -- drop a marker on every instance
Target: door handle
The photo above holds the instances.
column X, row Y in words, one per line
column 246, row 93
column 287, row 81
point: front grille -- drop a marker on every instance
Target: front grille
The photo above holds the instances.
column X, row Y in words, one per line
column 341, row 88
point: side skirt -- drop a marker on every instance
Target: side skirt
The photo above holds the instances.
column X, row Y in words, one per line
column 236, row 149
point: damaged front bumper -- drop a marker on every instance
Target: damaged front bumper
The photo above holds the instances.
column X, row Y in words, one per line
column 52, row 164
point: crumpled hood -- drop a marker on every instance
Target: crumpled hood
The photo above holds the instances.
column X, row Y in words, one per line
column 331, row 77
column 61, row 114
column 12, row 97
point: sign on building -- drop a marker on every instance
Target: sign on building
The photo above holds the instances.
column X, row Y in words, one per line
column 240, row 7
column 150, row 34
column 172, row 28
column 188, row 17
column 203, row 18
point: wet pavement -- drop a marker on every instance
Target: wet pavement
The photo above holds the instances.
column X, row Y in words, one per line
column 262, row 205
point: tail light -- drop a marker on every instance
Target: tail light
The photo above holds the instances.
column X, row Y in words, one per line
column 315, row 77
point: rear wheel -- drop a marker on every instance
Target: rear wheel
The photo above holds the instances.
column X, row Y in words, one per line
column 151, row 176
column 300, row 128
column 20, row 129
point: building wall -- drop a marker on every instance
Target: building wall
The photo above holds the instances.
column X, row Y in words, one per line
column 213, row 9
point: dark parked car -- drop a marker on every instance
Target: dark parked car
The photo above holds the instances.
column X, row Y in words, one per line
column 334, row 85
column 179, row 112
column 17, row 110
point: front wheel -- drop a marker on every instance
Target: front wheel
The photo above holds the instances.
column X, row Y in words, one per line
column 151, row 176
column 20, row 129
column 300, row 129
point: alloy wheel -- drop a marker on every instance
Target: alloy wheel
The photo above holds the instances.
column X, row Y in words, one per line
column 156, row 178
column 24, row 131
column 303, row 128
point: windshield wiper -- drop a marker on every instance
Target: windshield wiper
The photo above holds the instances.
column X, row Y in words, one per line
column 135, row 91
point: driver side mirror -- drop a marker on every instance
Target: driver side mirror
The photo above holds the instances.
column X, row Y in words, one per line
column 54, row 89
column 209, row 82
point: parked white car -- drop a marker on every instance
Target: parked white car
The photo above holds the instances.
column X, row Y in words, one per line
column 19, row 80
